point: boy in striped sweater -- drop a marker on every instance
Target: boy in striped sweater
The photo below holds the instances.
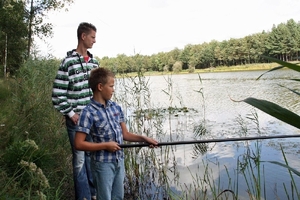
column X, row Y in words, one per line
column 70, row 94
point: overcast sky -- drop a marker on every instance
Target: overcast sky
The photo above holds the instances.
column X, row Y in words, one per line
column 151, row 26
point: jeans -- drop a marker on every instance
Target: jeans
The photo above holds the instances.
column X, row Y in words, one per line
column 109, row 179
column 82, row 176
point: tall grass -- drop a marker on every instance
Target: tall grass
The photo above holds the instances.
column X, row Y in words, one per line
column 34, row 145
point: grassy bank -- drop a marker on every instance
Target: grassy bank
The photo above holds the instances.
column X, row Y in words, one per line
column 248, row 67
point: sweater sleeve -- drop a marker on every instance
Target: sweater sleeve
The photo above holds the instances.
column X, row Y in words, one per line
column 60, row 89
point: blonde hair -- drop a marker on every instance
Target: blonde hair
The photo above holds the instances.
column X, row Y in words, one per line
column 99, row 75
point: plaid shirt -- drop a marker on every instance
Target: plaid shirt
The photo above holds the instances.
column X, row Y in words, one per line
column 103, row 124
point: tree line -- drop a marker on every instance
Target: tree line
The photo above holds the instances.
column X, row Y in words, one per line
column 282, row 42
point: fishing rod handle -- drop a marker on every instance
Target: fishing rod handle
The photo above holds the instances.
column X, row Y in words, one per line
column 134, row 145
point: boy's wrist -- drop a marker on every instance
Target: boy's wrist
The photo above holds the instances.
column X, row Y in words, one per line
column 71, row 114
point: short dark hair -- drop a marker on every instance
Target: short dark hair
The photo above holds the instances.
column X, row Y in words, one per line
column 85, row 27
column 99, row 75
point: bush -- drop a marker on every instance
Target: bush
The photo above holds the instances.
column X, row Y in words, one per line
column 177, row 67
column 32, row 119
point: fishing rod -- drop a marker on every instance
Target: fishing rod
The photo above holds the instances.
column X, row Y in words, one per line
column 208, row 141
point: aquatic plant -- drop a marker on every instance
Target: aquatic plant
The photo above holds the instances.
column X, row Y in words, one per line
column 273, row 109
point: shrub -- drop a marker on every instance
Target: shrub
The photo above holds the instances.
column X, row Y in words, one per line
column 32, row 119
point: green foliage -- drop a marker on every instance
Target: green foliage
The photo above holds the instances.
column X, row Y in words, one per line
column 31, row 100
column 4, row 91
column 290, row 170
column 21, row 161
column 275, row 111
column 13, row 31
column 34, row 137
column 20, row 21
column 249, row 165
column 21, row 150
column 285, row 166
column 37, row 10
column 177, row 67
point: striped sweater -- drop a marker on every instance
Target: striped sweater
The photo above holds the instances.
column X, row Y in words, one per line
column 71, row 92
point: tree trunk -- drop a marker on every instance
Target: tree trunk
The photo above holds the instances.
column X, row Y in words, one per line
column 5, row 56
column 31, row 14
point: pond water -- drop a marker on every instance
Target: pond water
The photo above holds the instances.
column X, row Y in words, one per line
column 212, row 113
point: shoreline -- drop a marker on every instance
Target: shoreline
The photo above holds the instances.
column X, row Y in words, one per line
column 247, row 67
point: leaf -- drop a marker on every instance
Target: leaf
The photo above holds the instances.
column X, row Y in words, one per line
column 294, row 91
column 283, row 63
column 273, row 69
column 275, row 110
column 295, row 79
column 284, row 165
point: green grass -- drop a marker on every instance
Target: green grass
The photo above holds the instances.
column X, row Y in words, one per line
column 28, row 115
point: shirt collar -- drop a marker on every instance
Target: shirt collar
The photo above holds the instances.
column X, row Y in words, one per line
column 100, row 105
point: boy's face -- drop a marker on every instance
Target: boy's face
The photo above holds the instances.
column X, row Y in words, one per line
column 108, row 88
column 89, row 39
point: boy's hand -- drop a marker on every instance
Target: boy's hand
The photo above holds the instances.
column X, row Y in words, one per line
column 152, row 142
column 112, row 146
column 75, row 118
